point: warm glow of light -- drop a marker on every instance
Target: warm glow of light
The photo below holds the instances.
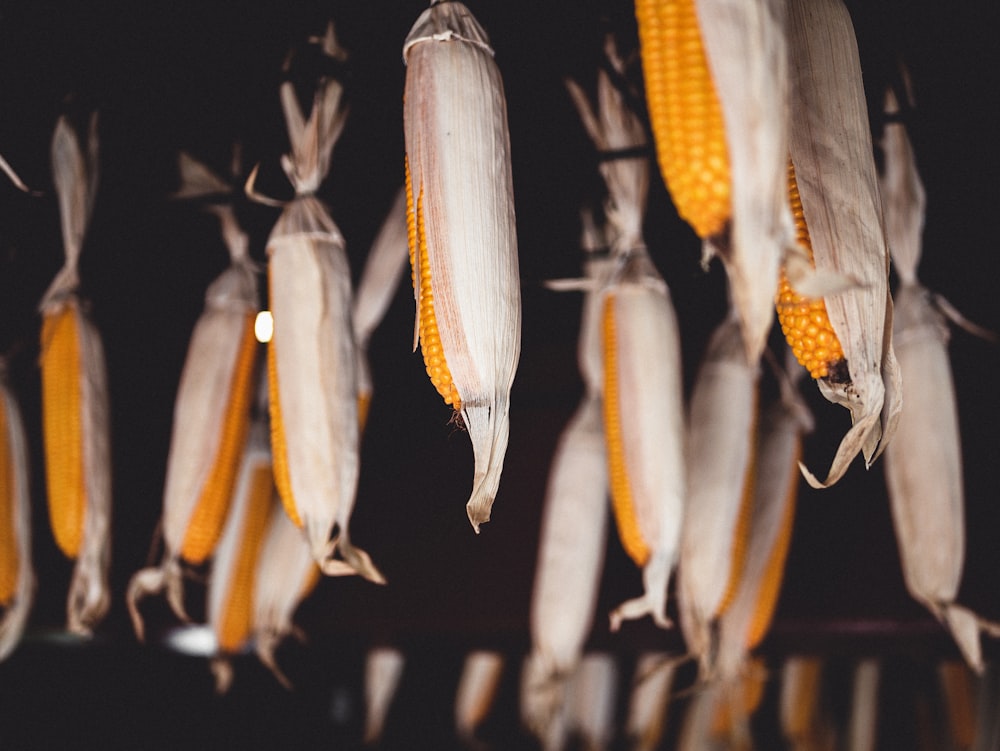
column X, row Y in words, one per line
column 193, row 639
column 263, row 326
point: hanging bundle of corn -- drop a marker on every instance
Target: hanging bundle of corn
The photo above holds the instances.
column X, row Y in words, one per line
column 721, row 429
column 802, row 718
column 312, row 356
column 642, row 389
column 211, row 421
column 387, row 258
column 383, row 669
column 924, row 462
column 75, row 420
column 649, row 700
column 476, row 693
column 17, row 574
column 746, row 621
column 234, row 569
column 837, row 185
column 463, row 242
column 716, row 76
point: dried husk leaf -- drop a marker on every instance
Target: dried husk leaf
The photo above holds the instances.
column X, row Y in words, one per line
column 198, row 180
column 458, row 155
column 831, row 149
column 477, row 691
column 747, row 52
column 649, row 700
column 799, row 705
column 862, row 727
column 383, row 669
column 13, row 177
column 15, row 611
column 75, row 175
column 721, row 417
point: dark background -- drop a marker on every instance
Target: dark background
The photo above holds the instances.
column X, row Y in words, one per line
column 171, row 76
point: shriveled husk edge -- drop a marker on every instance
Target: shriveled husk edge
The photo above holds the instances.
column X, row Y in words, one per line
column 746, row 50
column 831, row 150
column 721, row 414
column 15, row 616
column 468, row 213
column 478, row 686
column 383, row 669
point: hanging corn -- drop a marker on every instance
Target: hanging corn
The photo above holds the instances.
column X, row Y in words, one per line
column 746, row 621
column 476, row 693
column 210, row 426
column 924, row 463
column 721, row 425
column 862, row 722
column 836, row 181
column 384, row 267
column 312, row 356
column 649, row 700
column 231, row 584
column 716, row 76
column 593, row 696
column 642, row 379
column 17, row 574
column 383, row 669
column 463, row 243
column 75, row 420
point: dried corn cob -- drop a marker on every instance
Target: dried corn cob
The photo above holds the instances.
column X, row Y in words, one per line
column 649, row 700
column 74, row 394
column 312, row 356
column 17, row 574
column 835, row 173
column 463, row 243
column 802, row 718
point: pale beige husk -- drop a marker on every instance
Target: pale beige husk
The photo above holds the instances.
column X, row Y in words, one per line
column 862, row 723
column 75, row 175
column 14, row 617
column 776, row 478
column 458, row 152
column 592, row 700
column 256, row 455
column 383, row 670
column 696, row 724
column 923, row 464
column 649, row 700
column 721, row 416
column 747, row 53
column 831, row 149
column 314, row 350
column 478, row 686
column 804, row 725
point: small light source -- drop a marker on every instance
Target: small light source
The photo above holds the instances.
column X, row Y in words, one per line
column 191, row 639
column 263, row 326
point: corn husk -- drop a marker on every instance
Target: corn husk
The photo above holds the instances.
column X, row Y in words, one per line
column 476, row 693
column 234, row 568
column 747, row 52
column 15, row 528
column 745, row 622
column 75, row 175
column 721, row 418
column 862, row 724
column 458, row 157
column 387, row 258
column 696, row 731
column 649, row 700
column 383, row 669
column 803, row 723
column 544, row 711
column 924, row 471
column 313, row 356
column 592, row 700
column 831, row 150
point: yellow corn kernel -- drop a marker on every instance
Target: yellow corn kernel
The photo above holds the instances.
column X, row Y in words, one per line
column 621, row 493
column 9, row 561
column 685, row 113
column 279, row 449
column 430, row 338
column 237, row 615
column 804, row 323
column 62, row 424
column 209, row 515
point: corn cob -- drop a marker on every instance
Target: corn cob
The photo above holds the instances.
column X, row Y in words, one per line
column 75, row 419
column 383, row 669
column 461, row 206
column 831, row 149
column 312, row 356
column 649, row 700
column 17, row 576
column 800, row 711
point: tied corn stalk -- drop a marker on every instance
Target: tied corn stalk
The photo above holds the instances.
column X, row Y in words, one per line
column 17, row 574
column 312, row 356
column 462, row 235
column 212, row 412
column 831, row 150
column 75, row 419
column 924, row 472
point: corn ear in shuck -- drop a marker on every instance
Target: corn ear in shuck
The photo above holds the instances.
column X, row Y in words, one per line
column 924, row 471
column 75, row 420
column 463, row 241
column 312, row 356
column 17, row 574
column 831, row 150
